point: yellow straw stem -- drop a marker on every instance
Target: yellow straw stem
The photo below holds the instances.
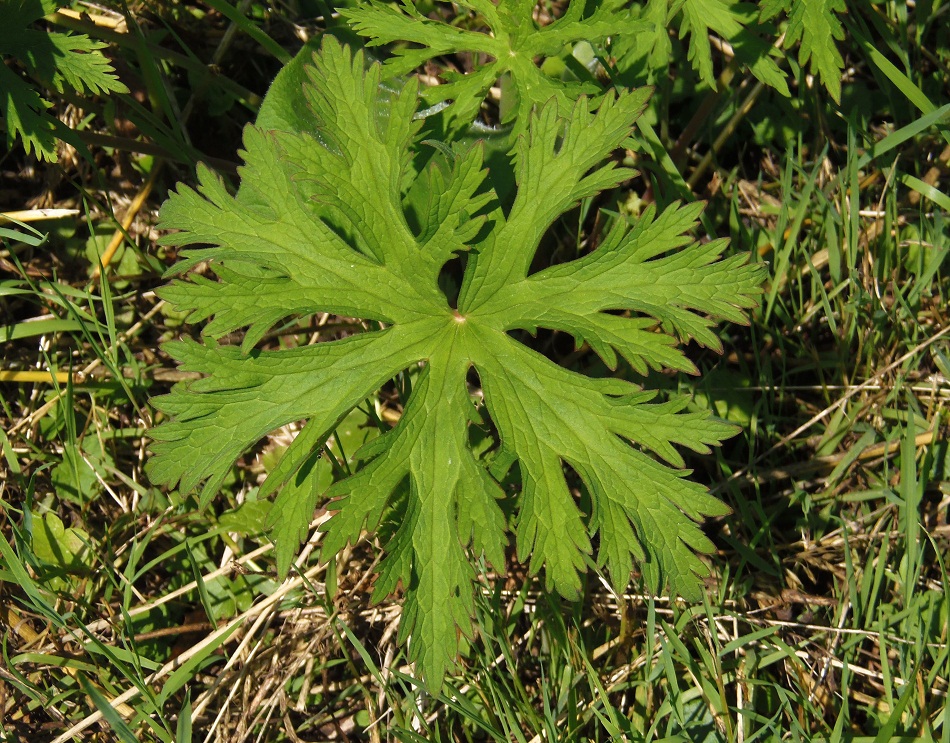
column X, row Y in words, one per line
column 26, row 377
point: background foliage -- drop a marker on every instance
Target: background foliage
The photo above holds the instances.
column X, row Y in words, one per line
column 817, row 133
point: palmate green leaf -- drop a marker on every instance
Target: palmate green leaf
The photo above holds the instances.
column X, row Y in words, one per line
column 513, row 42
column 58, row 60
column 320, row 224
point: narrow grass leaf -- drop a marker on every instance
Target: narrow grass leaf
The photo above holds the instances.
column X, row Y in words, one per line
column 40, row 326
column 928, row 191
column 119, row 726
column 183, row 728
column 910, row 512
column 233, row 14
column 937, row 117
column 903, row 83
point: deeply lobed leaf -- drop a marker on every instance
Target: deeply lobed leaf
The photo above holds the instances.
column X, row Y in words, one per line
column 815, row 24
column 512, row 43
column 57, row 60
column 322, row 223
column 725, row 18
